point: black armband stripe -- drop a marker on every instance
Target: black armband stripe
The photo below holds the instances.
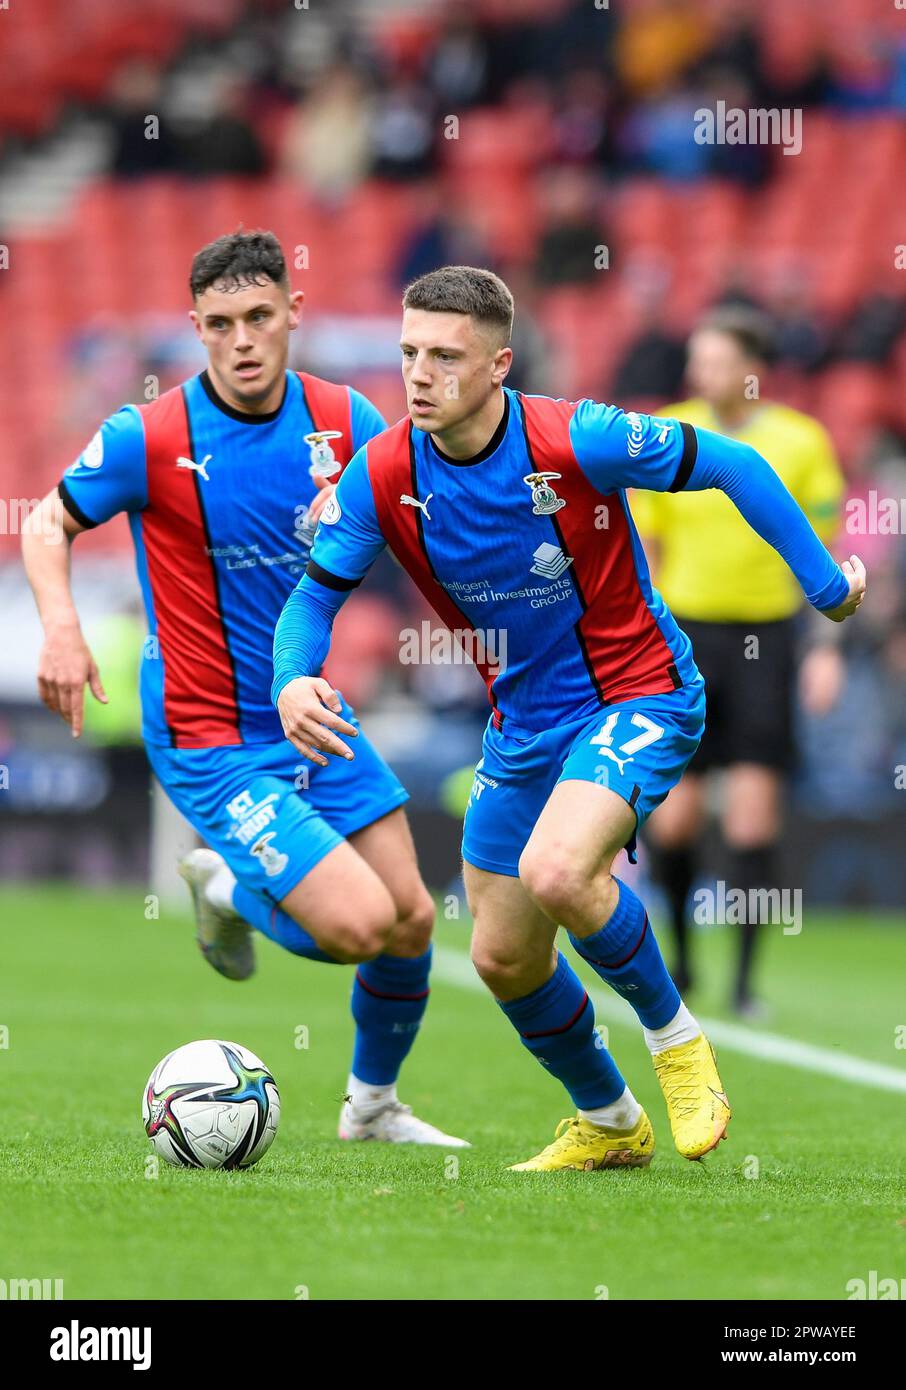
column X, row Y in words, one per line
column 73, row 508
column 687, row 462
column 330, row 581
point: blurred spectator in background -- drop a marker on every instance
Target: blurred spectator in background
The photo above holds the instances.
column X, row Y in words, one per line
column 326, row 143
column 658, row 40
column 654, row 364
column 737, row 599
column 801, row 335
column 403, row 132
column 572, row 230
column 458, row 66
column 438, row 233
column 583, row 120
column 735, row 46
column 749, row 163
column 862, row 71
column 657, row 136
column 136, row 93
column 213, row 129
column 871, row 330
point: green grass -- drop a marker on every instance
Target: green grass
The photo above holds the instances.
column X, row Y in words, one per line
column 93, row 995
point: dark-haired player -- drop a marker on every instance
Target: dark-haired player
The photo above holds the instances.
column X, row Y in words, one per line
column 223, row 479
column 509, row 512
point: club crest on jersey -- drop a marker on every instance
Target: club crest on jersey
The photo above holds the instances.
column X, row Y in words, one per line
column 270, row 858
column 544, row 499
column 321, row 457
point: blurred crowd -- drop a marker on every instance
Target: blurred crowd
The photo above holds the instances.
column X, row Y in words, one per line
column 353, row 92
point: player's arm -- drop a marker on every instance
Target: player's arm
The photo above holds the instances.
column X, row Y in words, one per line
column 108, row 477
column 617, row 450
column 347, row 543
column 65, row 664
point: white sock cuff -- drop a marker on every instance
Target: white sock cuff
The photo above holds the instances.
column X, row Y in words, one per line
column 219, row 890
column 621, row 1114
column 364, row 1097
column 682, row 1028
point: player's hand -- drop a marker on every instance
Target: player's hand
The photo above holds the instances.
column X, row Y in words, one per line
column 855, row 573
column 327, row 491
column 309, row 710
column 65, row 666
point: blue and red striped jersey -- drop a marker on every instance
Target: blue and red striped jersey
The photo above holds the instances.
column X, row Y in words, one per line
column 531, row 547
column 217, row 503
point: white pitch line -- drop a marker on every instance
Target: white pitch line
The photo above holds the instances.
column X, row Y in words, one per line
column 454, row 968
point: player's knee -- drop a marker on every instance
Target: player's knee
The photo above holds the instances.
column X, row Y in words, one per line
column 498, row 969
column 363, row 934
column 553, row 882
column 414, row 925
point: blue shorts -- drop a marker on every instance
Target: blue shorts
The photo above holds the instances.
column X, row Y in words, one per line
column 271, row 813
column 638, row 748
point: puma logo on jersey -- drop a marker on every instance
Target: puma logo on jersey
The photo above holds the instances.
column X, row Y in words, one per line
column 406, row 500
column 201, row 468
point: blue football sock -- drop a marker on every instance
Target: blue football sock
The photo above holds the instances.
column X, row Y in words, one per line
column 272, row 921
column 389, row 998
column 557, row 1025
column 625, row 953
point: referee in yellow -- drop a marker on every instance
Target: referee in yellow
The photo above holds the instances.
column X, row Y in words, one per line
column 737, row 600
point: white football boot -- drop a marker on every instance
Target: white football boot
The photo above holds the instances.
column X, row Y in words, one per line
column 224, row 938
column 395, row 1123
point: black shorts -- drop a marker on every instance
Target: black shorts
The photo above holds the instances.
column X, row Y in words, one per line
column 749, row 671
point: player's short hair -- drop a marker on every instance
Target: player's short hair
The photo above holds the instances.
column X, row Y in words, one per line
column 237, row 260
column 750, row 329
column 464, row 289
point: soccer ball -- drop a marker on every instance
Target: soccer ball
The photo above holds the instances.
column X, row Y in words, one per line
column 211, row 1104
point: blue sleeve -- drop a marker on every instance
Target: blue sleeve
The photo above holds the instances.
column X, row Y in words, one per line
column 302, row 634
column 348, row 539
column 367, row 420
column 110, row 474
column 770, row 509
column 347, row 542
column 618, row 449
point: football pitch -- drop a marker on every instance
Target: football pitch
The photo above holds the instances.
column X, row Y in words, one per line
column 807, row 1193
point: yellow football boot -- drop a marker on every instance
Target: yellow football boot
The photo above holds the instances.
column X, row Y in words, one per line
column 580, row 1144
column 696, row 1101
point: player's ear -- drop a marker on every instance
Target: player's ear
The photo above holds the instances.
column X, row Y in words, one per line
column 503, row 360
column 295, row 308
column 196, row 321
